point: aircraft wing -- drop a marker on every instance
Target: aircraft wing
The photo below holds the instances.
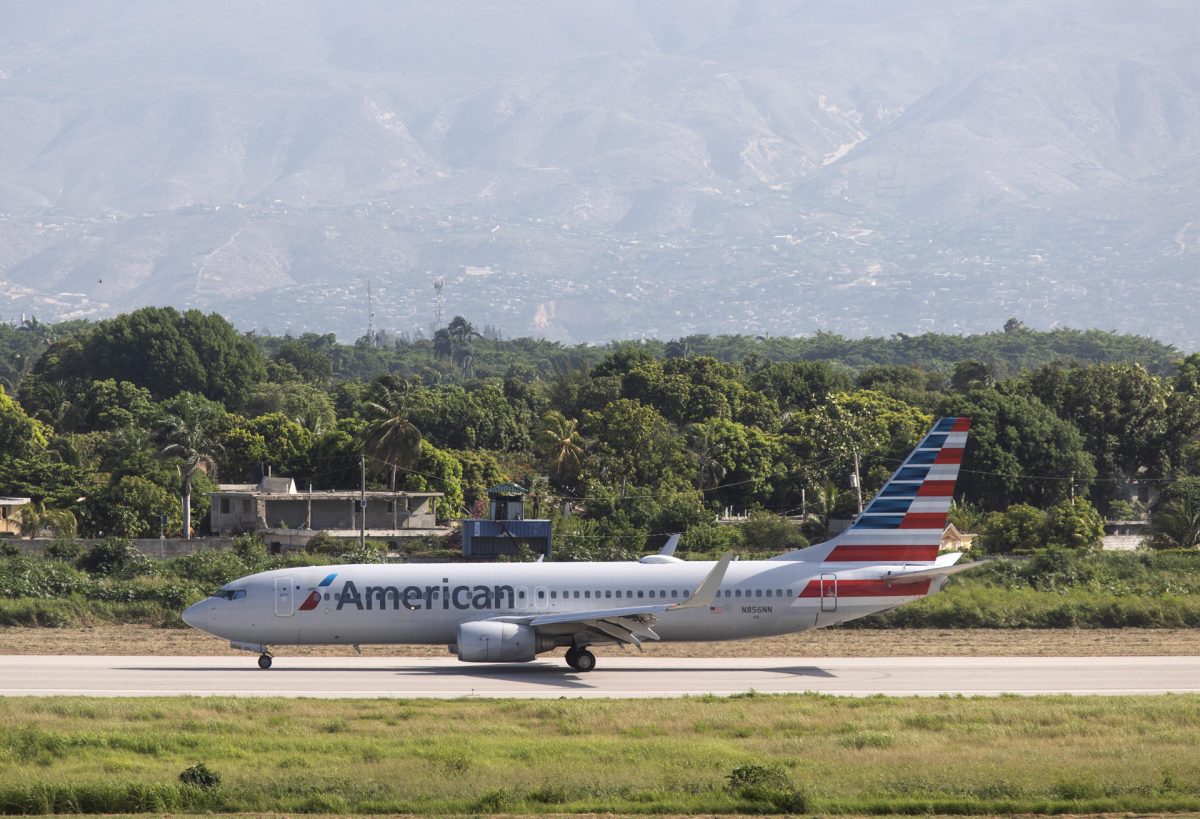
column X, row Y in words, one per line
column 628, row 624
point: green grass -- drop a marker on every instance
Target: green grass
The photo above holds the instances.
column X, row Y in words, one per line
column 748, row 754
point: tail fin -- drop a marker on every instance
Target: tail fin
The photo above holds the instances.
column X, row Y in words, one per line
column 905, row 521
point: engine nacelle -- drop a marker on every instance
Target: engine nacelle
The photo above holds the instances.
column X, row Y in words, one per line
column 491, row 642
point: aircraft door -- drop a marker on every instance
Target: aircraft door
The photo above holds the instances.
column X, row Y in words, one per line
column 829, row 592
column 283, row 597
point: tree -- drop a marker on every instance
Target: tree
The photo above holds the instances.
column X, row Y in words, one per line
column 1074, row 523
column 1018, row 451
column 165, row 351
column 188, row 438
column 135, row 506
column 564, row 446
column 1020, row 528
column 634, row 445
column 390, row 436
column 1175, row 519
column 20, row 435
column 1121, row 410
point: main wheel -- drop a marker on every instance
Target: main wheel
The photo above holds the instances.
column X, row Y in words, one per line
column 584, row 660
column 264, row 661
column 572, row 655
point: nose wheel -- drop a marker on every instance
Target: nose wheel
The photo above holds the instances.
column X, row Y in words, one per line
column 580, row 659
column 264, row 661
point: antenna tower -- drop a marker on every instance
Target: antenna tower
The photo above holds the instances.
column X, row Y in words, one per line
column 439, row 302
column 370, row 318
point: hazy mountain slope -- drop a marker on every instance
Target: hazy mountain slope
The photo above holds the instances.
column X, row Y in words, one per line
column 588, row 170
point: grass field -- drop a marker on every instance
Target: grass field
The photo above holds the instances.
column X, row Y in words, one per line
column 748, row 754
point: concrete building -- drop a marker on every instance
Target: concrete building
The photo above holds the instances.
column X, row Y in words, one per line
column 288, row 516
column 10, row 515
column 505, row 529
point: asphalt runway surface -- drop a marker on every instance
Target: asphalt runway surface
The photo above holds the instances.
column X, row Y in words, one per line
column 375, row 677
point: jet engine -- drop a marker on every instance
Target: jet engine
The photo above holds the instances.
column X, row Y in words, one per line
column 492, row 642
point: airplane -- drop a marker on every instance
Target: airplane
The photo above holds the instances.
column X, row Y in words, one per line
column 512, row 612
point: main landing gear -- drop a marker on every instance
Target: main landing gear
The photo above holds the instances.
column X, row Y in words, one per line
column 580, row 659
column 264, row 661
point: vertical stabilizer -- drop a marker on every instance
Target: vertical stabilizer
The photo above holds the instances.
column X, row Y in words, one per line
column 904, row 522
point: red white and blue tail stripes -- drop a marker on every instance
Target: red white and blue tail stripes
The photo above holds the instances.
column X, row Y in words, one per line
column 905, row 521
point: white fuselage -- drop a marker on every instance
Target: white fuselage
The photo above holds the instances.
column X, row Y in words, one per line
column 425, row 603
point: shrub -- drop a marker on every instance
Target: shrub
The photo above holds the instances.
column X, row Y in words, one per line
column 200, row 776
column 114, row 557
column 768, row 785
column 10, row 550
column 757, row 776
column 65, row 549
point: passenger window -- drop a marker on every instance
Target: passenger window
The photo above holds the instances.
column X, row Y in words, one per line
column 662, row 593
column 758, row 592
column 587, row 594
column 674, row 592
column 687, row 593
column 326, row 596
column 576, row 595
column 737, row 593
column 729, row 592
column 541, row 595
column 553, row 595
column 521, row 594
column 608, row 594
column 618, row 592
column 652, row 592
column 641, row 594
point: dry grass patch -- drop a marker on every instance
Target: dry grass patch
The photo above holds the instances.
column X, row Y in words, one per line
column 148, row 640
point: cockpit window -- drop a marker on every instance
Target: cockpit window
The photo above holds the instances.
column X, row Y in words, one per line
column 230, row 594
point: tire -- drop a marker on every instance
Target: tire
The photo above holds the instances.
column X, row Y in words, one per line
column 572, row 654
column 585, row 661
column 264, row 661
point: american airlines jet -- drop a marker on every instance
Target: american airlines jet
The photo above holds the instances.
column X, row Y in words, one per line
column 511, row 612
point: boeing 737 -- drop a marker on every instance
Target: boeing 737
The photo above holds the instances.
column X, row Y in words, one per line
column 512, row 612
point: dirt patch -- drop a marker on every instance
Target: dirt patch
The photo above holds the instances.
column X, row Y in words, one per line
column 132, row 639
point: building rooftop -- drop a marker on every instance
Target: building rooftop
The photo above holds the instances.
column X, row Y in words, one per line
column 507, row 490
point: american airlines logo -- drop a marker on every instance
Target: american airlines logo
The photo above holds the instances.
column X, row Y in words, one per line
column 413, row 598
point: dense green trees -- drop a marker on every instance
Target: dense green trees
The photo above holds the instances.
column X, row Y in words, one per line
column 636, row 439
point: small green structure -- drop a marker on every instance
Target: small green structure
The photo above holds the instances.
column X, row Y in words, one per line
column 506, row 529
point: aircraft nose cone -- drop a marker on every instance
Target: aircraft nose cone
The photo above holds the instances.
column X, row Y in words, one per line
column 193, row 615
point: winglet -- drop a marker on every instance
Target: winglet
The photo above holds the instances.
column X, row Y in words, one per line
column 668, row 548
column 706, row 592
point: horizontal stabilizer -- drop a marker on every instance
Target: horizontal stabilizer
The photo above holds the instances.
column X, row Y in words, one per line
column 900, row 577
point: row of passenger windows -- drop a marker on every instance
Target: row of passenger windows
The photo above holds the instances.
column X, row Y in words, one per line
column 587, row 594
column 661, row 594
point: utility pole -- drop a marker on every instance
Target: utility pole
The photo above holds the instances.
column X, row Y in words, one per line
column 362, row 504
column 857, row 483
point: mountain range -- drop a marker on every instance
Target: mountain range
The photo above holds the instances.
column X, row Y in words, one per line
column 586, row 171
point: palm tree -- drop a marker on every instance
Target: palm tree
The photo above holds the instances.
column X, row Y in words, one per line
column 1176, row 524
column 390, row 436
column 565, row 444
column 187, row 438
column 708, row 451
column 462, row 334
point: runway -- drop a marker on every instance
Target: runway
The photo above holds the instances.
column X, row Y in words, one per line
column 377, row 677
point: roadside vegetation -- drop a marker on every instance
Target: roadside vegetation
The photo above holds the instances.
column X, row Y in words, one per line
column 1053, row 588
column 745, row 754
